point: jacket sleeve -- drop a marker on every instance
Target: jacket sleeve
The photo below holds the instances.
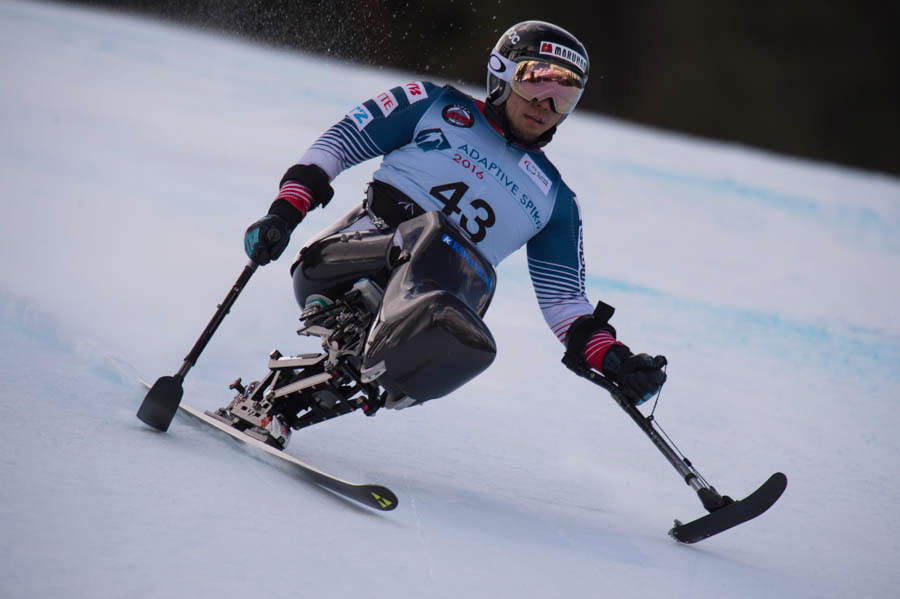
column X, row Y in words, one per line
column 556, row 266
column 373, row 128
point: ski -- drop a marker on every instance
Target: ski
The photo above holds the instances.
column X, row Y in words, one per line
column 732, row 514
column 373, row 496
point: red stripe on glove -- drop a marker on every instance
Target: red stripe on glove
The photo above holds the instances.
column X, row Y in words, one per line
column 596, row 349
column 297, row 195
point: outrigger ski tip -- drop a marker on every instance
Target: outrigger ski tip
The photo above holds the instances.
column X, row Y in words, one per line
column 731, row 514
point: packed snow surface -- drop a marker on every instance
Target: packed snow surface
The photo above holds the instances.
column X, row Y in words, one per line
column 134, row 154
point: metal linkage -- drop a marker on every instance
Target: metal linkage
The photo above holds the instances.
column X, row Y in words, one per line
column 310, row 388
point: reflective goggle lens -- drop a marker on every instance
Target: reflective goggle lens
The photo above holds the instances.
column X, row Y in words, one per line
column 536, row 80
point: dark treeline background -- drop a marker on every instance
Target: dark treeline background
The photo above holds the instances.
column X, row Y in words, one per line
column 811, row 78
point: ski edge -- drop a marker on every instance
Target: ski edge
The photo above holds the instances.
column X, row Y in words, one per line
column 375, row 496
column 732, row 515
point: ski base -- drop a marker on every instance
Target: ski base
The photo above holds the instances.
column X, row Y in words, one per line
column 373, row 496
column 732, row 514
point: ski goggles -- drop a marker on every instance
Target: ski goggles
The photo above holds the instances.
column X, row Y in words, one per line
column 536, row 80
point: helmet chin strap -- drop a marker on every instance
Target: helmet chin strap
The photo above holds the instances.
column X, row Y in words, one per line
column 496, row 113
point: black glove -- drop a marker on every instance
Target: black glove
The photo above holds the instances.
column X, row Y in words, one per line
column 266, row 239
column 639, row 377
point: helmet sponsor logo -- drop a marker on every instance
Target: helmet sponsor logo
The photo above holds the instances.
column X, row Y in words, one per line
column 431, row 139
column 537, row 175
column 415, row 91
column 458, row 115
column 386, row 102
column 564, row 53
column 500, row 67
column 514, row 37
column 360, row 116
column 495, row 64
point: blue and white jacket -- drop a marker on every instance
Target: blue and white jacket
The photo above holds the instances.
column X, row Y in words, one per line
column 441, row 150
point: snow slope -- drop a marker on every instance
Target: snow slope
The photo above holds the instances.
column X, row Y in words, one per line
column 133, row 155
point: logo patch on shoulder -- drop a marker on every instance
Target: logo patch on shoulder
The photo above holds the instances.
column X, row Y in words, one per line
column 386, row 102
column 537, row 175
column 415, row 91
column 458, row 116
column 360, row 116
column 432, row 139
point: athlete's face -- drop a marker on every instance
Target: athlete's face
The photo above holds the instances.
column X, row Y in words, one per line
column 529, row 120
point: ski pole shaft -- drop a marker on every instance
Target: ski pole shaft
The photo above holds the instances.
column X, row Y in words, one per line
column 161, row 402
column 646, row 425
column 217, row 319
column 708, row 495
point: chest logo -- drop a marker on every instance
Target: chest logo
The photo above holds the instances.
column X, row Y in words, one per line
column 431, row 139
column 458, row 116
column 537, row 175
